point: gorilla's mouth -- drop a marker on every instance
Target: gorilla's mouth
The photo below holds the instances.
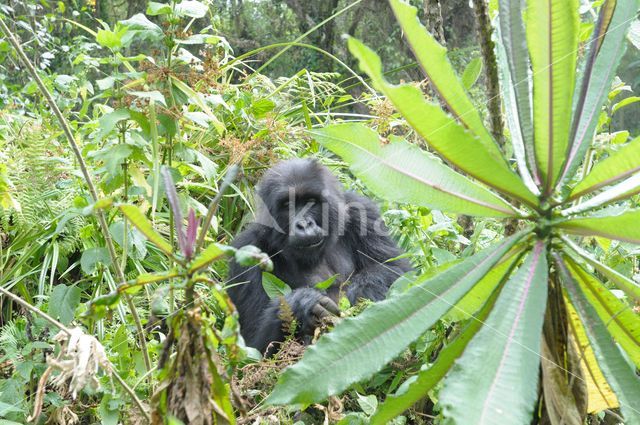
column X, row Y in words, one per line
column 314, row 244
column 308, row 244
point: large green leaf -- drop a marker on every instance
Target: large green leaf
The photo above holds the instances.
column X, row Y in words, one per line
column 614, row 366
column 433, row 60
column 605, row 50
column 467, row 307
column 360, row 346
column 618, row 166
column 108, row 122
column 523, row 153
column 623, row 227
column 273, row 286
column 91, row 257
column 621, row 321
column 403, row 172
column 63, row 302
column 503, row 359
column 417, row 387
column 552, row 37
column 442, row 132
column 620, row 191
column 514, row 45
column 629, row 287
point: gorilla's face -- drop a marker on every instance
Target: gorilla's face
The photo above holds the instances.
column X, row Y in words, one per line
column 302, row 216
column 301, row 204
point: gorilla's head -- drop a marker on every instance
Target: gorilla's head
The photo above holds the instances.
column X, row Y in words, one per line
column 302, row 203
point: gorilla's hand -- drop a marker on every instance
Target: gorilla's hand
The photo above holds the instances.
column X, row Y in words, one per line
column 309, row 307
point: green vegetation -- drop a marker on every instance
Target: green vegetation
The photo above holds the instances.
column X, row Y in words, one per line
column 129, row 148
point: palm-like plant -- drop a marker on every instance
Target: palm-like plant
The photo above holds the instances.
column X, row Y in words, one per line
column 536, row 298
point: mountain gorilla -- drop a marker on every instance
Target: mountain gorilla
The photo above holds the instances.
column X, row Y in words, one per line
column 312, row 230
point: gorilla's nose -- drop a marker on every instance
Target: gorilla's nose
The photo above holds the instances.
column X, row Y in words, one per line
column 306, row 233
column 303, row 224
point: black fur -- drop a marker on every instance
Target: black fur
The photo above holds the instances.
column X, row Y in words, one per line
column 355, row 245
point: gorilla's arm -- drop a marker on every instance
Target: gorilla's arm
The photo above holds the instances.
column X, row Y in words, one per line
column 368, row 239
column 260, row 322
column 246, row 292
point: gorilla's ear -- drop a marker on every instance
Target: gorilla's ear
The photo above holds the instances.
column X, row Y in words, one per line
column 263, row 213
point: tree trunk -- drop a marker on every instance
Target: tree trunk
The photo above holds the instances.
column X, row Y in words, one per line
column 433, row 20
column 483, row 26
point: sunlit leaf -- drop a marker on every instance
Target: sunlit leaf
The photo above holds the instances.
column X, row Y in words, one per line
column 110, row 39
column 359, row 346
column 620, row 376
column 146, row 278
column 142, row 28
column 250, row 255
column 599, row 393
column 154, row 95
column 623, row 227
column 191, row 8
column 523, row 149
column 552, row 38
column 605, row 50
column 622, row 323
column 516, row 88
column 619, row 191
column 503, row 359
column 630, row 288
column 7, row 201
column 196, row 98
column 624, row 102
column 402, row 172
column 155, row 8
column 433, row 60
column 416, row 387
column 325, row 284
column 620, row 165
column 467, row 307
column 634, row 33
column 442, row 132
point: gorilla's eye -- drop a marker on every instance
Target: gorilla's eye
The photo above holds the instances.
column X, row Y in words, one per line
column 284, row 203
column 311, row 201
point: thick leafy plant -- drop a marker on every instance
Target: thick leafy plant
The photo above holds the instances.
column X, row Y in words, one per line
column 194, row 340
column 542, row 296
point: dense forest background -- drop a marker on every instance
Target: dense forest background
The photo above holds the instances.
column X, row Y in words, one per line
column 118, row 116
column 251, row 25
